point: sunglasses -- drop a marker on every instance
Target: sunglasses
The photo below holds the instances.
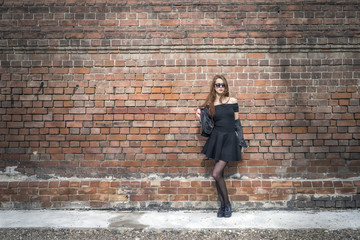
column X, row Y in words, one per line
column 218, row 85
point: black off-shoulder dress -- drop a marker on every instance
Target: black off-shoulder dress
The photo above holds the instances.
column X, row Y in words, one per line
column 223, row 143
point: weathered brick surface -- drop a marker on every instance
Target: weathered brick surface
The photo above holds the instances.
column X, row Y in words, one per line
column 108, row 89
column 171, row 194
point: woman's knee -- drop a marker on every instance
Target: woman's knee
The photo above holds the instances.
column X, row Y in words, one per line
column 216, row 175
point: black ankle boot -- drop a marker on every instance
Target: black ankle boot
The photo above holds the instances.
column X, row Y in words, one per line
column 221, row 212
column 227, row 211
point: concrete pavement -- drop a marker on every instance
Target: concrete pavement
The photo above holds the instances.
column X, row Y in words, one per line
column 265, row 219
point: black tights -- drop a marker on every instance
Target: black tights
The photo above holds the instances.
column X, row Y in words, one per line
column 218, row 175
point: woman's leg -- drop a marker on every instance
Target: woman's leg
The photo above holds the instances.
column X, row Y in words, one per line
column 222, row 204
column 218, row 175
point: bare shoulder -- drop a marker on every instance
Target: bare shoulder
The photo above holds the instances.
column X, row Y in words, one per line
column 233, row 100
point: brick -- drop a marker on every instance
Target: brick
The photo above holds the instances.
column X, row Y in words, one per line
column 255, row 55
column 130, row 22
column 80, row 70
column 281, row 184
column 345, row 190
column 74, row 35
column 170, row 22
column 341, row 95
column 118, row 198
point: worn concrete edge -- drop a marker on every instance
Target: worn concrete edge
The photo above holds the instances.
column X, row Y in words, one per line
column 140, row 220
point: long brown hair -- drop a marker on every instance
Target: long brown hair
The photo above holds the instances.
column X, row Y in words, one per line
column 210, row 99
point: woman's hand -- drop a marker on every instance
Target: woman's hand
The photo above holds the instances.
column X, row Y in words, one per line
column 198, row 112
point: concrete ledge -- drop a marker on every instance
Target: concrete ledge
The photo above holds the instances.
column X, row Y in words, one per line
column 349, row 219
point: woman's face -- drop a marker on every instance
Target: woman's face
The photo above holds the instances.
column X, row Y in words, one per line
column 219, row 86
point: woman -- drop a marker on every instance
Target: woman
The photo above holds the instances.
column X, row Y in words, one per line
column 222, row 144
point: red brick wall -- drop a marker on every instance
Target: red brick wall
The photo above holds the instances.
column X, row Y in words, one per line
column 98, row 101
